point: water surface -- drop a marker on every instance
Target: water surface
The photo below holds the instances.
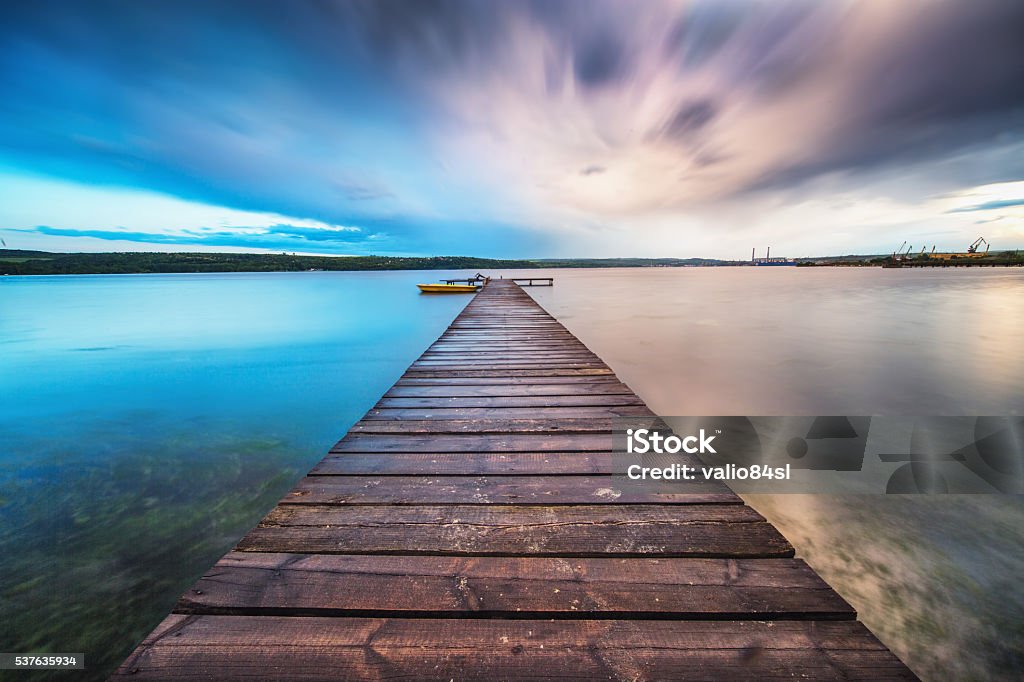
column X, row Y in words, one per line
column 148, row 421
column 937, row 578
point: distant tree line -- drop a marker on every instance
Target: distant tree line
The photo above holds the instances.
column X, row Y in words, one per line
column 14, row 262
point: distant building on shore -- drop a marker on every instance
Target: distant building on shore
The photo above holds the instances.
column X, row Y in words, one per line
column 768, row 260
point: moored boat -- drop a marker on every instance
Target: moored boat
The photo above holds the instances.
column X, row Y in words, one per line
column 448, row 288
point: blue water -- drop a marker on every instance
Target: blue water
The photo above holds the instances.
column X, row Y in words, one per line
column 186, row 347
column 147, row 421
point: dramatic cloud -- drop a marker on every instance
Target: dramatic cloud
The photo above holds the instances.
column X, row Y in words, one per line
column 488, row 126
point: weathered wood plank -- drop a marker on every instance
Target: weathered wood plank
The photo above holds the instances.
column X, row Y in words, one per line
column 494, row 372
column 515, row 401
column 413, row 380
column 432, row 463
column 608, row 411
column 528, row 350
column 488, row 425
column 501, row 356
column 473, row 342
column 499, row 442
column 584, row 361
column 509, row 365
column 473, row 345
column 316, row 584
column 488, row 358
column 547, row 490
column 498, row 337
column 730, row 531
column 508, row 390
column 313, row 648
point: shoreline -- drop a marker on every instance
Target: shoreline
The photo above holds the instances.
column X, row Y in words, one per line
column 39, row 263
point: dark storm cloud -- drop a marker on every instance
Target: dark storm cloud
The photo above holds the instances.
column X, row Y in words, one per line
column 690, row 118
column 952, row 79
column 600, row 61
column 417, row 36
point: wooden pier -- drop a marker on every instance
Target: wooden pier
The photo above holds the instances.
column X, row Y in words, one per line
column 468, row 528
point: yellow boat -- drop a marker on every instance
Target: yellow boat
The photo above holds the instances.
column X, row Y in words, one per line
column 448, row 288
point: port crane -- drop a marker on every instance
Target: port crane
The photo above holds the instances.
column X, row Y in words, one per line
column 973, row 248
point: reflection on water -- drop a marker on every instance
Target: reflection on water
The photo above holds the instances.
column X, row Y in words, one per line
column 149, row 420
column 937, row 578
column 787, row 341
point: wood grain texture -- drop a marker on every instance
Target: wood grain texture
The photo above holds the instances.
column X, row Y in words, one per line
column 495, row 372
column 310, row 648
column 547, row 490
column 431, row 463
column 445, row 413
column 735, row 531
column 559, row 425
column 507, row 390
column 512, row 587
column 514, row 401
column 503, row 442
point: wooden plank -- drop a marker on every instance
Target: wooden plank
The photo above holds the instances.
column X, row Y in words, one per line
column 505, row 324
column 511, row 364
column 318, row 584
column 431, row 463
column 525, row 442
column 515, row 401
column 512, row 344
column 494, row 372
column 505, row 334
column 547, row 490
column 517, row 349
column 508, row 390
column 501, row 354
column 720, row 530
column 510, row 328
column 525, row 360
column 488, row 425
column 607, row 411
column 527, row 350
column 412, row 380
column 314, row 648
column 510, row 358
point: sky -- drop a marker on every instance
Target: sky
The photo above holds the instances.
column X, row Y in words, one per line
column 512, row 129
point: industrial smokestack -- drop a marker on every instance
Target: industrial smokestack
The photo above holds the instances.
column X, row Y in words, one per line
column 753, row 258
column 769, row 256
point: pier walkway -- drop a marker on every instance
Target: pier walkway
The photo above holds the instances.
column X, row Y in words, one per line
column 468, row 528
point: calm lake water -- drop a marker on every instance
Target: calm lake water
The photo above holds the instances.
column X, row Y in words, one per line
column 937, row 578
column 149, row 420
